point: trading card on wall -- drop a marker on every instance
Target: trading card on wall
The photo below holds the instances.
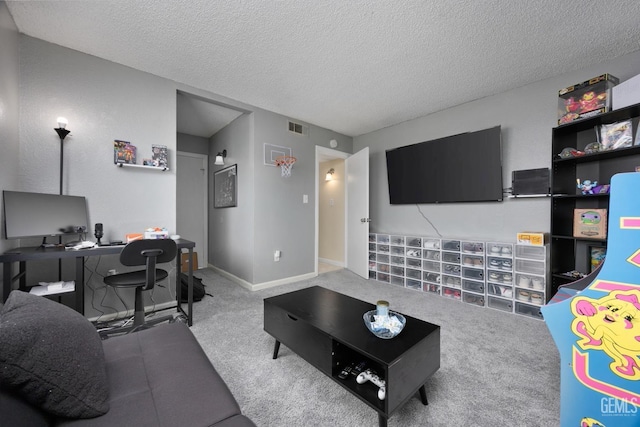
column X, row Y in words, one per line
column 160, row 154
column 124, row 152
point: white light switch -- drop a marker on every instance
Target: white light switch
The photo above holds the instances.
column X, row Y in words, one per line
column 305, row 198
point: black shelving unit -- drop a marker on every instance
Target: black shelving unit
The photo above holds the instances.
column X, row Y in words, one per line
column 568, row 252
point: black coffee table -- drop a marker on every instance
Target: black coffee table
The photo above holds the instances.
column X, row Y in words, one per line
column 326, row 329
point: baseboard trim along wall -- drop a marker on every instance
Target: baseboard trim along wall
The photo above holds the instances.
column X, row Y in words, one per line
column 331, row 262
column 264, row 285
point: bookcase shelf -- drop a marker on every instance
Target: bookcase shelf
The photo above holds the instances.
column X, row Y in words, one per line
column 569, row 253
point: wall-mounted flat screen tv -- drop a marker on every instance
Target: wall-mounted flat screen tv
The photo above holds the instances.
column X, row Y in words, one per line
column 459, row 168
column 41, row 215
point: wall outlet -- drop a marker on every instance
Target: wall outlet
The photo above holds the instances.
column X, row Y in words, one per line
column 276, row 255
column 305, row 198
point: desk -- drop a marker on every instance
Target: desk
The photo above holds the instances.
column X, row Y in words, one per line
column 22, row 255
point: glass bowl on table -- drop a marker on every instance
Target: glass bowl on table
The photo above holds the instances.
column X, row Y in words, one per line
column 385, row 327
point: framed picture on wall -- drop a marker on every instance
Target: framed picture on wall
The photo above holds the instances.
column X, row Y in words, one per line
column 225, row 188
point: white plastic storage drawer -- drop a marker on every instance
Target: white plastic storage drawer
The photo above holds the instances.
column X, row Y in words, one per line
column 429, row 287
column 414, row 284
column 531, row 267
column 414, row 242
column 397, row 271
column 413, row 262
column 414, row 274
column 500, row 249
column 397, row 240
column 397, row 260
column 373, row 247
column 476, row 261
column 473, row 286
column 383, row 258
column 499, row 277
column 529, row 296
column 452, row 257
column 451, row 293
column 383, row 268
column 497, row 263
column 395, row 280
column 383, row 277
column 435, row 278
column 474, row 299
column 527, row 310
column 431, row 254
column 397, row 250
column 472, row 247
column 451, row 281
column 537, row 253
column 500, row 304
column 500, row 290
column 382, row 238
column 429, row 243
column 431, row 266
column 413, row 252
column 529, row 281
column 473, row 273
column 451, row 245
column 452, row 269
column 383, row 248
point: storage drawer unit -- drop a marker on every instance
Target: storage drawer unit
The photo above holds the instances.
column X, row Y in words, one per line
column 500, row 304
column 471, row 298
column 414, row 284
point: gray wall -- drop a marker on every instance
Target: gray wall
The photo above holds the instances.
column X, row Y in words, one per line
column 526, row 114
column 231, row 230
column 282, row 221
column 192, row 144
column 104, row 101
column 9, row 107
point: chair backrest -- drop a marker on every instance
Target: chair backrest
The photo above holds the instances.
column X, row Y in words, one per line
column 132, row 254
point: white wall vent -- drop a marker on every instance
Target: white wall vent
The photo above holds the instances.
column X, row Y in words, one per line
column 298, row 128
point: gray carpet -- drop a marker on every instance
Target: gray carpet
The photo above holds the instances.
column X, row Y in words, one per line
column 497, row 369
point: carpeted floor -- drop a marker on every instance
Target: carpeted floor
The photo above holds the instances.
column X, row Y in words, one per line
column 497, row 369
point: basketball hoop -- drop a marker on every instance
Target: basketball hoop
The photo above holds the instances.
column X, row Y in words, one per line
column 285, row 162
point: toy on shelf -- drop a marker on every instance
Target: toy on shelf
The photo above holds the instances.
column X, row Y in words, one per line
column 570, row 152
column 586, row 186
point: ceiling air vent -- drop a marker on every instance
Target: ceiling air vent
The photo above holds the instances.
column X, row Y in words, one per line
column 298, row 128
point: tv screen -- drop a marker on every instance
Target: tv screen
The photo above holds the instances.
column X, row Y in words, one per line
column 41, row 215
column 459, row 168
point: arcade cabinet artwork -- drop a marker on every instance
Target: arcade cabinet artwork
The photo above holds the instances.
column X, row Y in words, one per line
column 597, row 331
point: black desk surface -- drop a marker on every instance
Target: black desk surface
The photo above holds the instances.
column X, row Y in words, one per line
column 340, row 316
column 38, row 252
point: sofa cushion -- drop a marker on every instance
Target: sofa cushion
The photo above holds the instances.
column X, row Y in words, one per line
column 161, row 377
column 52, row 357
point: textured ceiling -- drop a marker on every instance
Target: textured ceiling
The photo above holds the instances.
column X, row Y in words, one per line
column 352, row 66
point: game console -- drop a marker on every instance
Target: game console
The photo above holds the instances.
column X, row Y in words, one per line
column 369, row 375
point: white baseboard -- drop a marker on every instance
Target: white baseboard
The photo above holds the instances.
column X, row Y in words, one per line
column 263, row 285
column 331, row 262
column 128, row 313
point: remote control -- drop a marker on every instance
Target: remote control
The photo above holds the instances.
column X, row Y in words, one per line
column 358, row 368
column 345, row 372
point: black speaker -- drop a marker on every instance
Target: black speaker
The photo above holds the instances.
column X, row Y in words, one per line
column 530, row 182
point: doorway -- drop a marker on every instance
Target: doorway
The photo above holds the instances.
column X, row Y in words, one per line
column 192, row 200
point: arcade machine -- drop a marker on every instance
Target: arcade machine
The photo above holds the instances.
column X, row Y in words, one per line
column 597, row 330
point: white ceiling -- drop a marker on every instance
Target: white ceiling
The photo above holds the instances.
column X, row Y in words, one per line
column 351, row 66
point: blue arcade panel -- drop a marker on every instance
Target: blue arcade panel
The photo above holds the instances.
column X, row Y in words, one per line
column 597, row 331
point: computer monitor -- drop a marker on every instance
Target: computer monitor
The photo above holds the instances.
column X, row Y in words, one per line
column 42, row 215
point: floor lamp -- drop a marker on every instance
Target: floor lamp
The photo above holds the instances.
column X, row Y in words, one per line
column 62, row 133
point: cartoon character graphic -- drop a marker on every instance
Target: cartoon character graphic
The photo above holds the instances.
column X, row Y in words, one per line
column 590, row 422
column 611, row 324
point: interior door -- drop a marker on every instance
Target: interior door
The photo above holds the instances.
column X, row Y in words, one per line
column 191, row 202
column 357, row 218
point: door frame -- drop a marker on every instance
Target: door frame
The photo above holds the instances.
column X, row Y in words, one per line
column 205, row 163
column 324, row 154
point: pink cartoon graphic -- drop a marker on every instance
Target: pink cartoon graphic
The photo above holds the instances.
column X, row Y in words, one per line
column 611, row 324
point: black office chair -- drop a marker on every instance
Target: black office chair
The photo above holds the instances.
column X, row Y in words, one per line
column 147, row 252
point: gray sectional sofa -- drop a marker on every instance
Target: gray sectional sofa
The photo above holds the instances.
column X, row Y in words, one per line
column 55, row 371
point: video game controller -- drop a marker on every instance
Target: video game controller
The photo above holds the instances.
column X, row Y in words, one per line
column 369, row 375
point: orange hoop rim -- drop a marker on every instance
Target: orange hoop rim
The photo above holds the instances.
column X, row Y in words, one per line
column 285, row 160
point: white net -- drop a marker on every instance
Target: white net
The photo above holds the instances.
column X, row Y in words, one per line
column 285, row 163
